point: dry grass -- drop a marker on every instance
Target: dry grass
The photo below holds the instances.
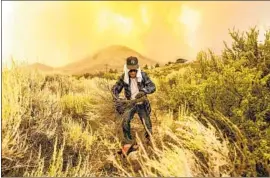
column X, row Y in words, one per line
column 72, row 130
column 181, row 148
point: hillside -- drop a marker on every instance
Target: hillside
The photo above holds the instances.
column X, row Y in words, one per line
column 40, row 67
column 112, row 56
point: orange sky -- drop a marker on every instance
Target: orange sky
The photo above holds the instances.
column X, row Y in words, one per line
column 56, row 33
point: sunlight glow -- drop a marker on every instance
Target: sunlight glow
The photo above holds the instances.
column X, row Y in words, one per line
column 144, row 15
column 8, row 22
column 191, row 19
column 110, row 21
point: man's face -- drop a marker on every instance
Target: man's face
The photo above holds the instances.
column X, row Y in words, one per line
column 132, row 73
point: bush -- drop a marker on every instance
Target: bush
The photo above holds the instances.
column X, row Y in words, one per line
column 236, row 86
column 181, row 60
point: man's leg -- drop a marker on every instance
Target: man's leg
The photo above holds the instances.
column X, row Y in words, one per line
column 145, row 118
column 127, row 117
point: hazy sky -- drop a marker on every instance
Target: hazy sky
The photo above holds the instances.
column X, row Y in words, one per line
column 56, row 33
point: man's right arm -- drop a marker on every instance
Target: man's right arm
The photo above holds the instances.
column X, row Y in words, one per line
column 118, row 86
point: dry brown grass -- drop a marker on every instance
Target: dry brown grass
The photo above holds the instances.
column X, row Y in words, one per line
column 68, row 127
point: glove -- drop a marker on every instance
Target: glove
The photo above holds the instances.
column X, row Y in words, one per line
column 119, row 106
column 140, row 94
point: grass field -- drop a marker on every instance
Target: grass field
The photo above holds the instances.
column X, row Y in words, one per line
column 210, row 118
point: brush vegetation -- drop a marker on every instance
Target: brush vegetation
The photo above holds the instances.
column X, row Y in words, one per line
column 210, row 118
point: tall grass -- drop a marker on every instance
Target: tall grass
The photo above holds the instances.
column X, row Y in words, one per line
column 53, row 129
column 181, row 148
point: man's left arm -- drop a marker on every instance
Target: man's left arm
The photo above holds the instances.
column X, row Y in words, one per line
column 150, row 87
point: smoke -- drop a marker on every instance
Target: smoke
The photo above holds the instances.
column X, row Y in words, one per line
column 57, row 33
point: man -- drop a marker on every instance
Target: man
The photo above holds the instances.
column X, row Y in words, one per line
column 136, row 84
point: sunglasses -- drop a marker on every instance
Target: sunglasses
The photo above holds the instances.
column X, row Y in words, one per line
column 133, row 70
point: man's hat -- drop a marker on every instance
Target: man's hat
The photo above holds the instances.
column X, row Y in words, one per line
column 132, row 63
